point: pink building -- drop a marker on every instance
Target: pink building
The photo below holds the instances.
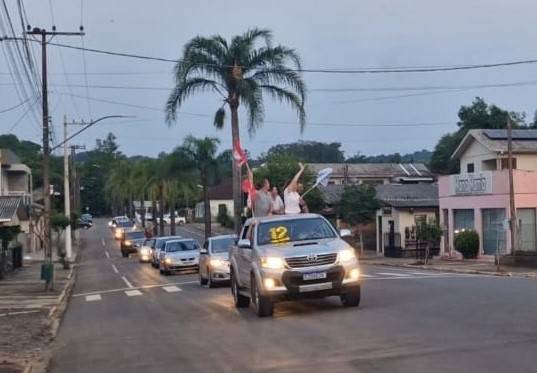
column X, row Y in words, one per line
column 478, row 197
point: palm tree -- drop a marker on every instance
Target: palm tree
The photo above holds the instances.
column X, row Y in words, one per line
column 200, row 153
column 239, row 71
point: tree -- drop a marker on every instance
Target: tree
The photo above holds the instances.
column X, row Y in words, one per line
column 200, row 153
column 358, row 206
column 58, row 223
column 479, row 115
column 311, row 151
column 240, row 72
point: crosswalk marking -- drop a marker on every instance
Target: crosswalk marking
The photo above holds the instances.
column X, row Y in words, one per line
column 107, row 254
column 93, row 298
column 171, row 289
column 133, row 293
column 393, row 274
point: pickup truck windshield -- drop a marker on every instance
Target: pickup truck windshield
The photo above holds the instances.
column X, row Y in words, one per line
column 293, row 230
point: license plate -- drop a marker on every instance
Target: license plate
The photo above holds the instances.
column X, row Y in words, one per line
column 315, row 287
column 314, row 276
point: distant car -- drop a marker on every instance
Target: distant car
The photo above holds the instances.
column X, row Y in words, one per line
column 122, row 227
column 87, row 217
column 159, row 244
column 145, row 250
column 117, row 219
column 214, row 259
column 84, row 223
column 130, row 242
column 179, row 255
column 179, row 220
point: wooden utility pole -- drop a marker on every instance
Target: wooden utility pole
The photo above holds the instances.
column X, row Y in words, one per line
column 46, row 150
column 513, row 221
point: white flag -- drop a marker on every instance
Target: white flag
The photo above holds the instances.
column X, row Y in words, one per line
column 324, row 176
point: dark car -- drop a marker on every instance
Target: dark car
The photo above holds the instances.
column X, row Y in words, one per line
column 87, row 217
column 131, row 241
column 82, row 223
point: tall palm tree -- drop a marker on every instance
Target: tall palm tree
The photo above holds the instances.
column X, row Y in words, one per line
column 241, row 70
column 201, row 155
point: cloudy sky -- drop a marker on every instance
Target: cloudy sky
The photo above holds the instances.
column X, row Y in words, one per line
column 327, row 34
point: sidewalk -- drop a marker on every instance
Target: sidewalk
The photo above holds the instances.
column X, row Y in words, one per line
column 29, row 316
column 470, row 266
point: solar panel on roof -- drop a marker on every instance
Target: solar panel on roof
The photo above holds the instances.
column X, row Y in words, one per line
column 516, row 134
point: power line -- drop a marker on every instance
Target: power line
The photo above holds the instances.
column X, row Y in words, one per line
column 14, row 107
column 22, row 116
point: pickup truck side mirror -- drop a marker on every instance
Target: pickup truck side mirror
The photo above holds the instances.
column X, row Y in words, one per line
column 345, row 233
column 244, row 244
column 203, row 251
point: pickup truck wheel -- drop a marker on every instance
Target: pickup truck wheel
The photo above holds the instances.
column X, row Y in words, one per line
column 203, row 281
column 263, row 305
column 124, row 254
column 351, row 299
column 240, row 300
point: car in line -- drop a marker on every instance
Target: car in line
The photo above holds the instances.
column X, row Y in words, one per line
column 123, row 226
column 179, row 255
column 130, row 242
column 113, row 222
column 287, row 257
column 159, row 244
column 214, row 259
column 145, row 250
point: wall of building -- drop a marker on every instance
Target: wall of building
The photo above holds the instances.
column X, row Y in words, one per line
column 214, row 208
column 526, row 162
column 476, row 154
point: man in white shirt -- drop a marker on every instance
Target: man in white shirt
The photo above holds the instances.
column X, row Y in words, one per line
column 292, row 199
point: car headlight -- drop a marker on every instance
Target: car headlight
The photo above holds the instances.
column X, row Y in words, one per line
column 272, row 262
column 128, row 243
column 168, row 260
column 144, row 252
column 346, row 255
column 218, row 263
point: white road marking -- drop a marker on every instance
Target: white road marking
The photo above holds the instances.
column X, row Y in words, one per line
column 102, row 242
column 133, row 293
column 428, row 274
column 93, row 297
column 18, row 313
column 126, row 282
column 393, row 274
column 364, row 275
column 171, row 289
column 115, row 268
column 107, row 254
column 138, row 287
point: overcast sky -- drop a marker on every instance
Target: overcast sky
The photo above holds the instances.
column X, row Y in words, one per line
column 327, row 34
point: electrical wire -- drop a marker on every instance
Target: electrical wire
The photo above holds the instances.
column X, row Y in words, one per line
column 16, row 123
column 14, row 107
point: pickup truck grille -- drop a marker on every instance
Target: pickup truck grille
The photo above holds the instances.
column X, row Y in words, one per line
column 311, row 260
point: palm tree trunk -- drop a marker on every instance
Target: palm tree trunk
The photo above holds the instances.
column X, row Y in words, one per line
column 154, row 215
column 142, row 212
column 131, row 215
column 172, row 218
column 236, row 172
column 206, row 208
column 161, row 207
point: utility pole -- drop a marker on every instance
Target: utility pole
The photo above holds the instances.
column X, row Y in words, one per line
column 513, row 221
column 66, row 193
column 48, row 269
column 75, row 179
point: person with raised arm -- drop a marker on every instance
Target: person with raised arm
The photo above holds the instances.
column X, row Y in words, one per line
column 294, row 204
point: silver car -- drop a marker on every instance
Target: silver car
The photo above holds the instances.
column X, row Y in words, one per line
column 158, row 245
column 144, row 252
column 178, row 255
column 214, row 259
column 291, row 257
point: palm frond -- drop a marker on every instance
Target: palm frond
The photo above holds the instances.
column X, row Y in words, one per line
column 282, row 76
column 219, row 118
column 289, row 97
column 252, row 98
column 271, row 57
column 183, row 90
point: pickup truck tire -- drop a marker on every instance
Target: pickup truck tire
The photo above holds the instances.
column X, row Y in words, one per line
column 351, row 299
column 240, row 300
column 264, row 307
column 124, row 254
column 203, row 281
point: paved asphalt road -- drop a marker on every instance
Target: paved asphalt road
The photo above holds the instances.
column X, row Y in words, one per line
column 125, row 317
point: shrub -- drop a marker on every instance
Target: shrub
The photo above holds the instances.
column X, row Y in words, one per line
column 467, row 243
column 223, row 217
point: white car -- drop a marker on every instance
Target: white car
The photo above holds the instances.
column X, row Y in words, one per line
column 179, row 220
column 214, row 259
column 179, row 255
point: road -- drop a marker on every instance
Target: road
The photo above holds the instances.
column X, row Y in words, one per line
column 125, row 317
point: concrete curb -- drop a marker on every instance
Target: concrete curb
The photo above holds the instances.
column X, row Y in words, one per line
column 457, row 270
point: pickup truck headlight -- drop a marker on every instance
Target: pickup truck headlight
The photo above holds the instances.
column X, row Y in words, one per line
column 346, row 255
column 168, row 260
column 218, row 263
column 128, row 243
column 272, row 262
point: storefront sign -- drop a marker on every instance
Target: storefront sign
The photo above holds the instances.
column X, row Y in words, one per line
column 475, row 183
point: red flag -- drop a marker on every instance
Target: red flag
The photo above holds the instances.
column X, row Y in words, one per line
column 239, row 155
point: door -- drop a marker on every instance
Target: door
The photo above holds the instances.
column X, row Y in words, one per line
column 245, row 257
column 526, row 236
column 493, row 232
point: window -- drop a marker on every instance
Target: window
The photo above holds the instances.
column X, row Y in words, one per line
column 470, row 168
column 505, row 163
column 463, row 219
